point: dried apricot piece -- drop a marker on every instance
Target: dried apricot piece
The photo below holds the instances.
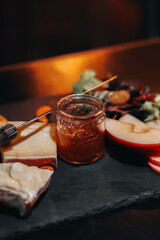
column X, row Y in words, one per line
column 42, row 110
column 48, row 168
column 119, row 97
column 3, row 120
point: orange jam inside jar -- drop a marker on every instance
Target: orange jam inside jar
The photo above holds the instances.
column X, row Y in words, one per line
column 80, row 128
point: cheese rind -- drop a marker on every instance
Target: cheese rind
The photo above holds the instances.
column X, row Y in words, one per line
column 21, row 185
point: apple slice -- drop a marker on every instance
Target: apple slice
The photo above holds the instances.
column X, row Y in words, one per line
column 139, row 125
column 147, row 142
column 154, row 167
column 154, row 124
column 154, row 160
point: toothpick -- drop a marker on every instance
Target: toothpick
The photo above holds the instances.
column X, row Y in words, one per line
column 108, row 80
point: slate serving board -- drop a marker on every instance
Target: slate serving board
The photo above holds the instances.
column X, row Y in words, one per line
column 110, row 183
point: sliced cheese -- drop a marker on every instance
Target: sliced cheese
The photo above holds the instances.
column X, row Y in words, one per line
column 35, row 144
column 21, row 185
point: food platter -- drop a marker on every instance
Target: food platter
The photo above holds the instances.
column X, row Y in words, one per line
column 113, row 186
column 79, row 192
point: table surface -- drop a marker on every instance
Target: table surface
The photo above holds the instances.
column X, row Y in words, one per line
column 133, row 62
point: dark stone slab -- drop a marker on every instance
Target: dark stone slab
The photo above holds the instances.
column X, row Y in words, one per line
column 77, row 192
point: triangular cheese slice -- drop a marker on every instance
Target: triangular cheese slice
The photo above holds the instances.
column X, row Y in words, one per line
column 35, row 145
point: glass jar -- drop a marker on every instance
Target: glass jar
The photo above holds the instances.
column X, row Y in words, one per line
column 80, row 128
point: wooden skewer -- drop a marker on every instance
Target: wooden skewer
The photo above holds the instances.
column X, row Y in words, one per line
column 108, row 80
column 46, row 113
column 9, row 131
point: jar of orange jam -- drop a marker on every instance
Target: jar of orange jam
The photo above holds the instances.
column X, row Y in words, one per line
column 80, row 129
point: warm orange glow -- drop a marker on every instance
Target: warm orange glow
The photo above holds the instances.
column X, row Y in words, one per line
column 55, row 76
column 62, row 72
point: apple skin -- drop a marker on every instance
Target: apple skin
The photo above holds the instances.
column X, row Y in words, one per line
column 155, row 160
column 154, row 167
column 146, row 149
column 123, row 154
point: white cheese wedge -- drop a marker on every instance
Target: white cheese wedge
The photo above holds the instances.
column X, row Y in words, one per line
column 35, row 145
column 21, row 185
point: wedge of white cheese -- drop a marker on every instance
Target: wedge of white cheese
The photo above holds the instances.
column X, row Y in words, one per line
column 35, row 145
column 21, row 185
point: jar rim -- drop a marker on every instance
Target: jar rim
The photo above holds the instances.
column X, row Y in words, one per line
column 72, row 97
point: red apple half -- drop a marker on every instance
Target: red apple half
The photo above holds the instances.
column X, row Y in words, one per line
column 147, row 142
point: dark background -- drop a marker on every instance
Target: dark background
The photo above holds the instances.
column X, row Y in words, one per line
column 34, row 29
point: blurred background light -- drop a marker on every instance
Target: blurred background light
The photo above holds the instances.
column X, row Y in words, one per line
column 36, row 29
